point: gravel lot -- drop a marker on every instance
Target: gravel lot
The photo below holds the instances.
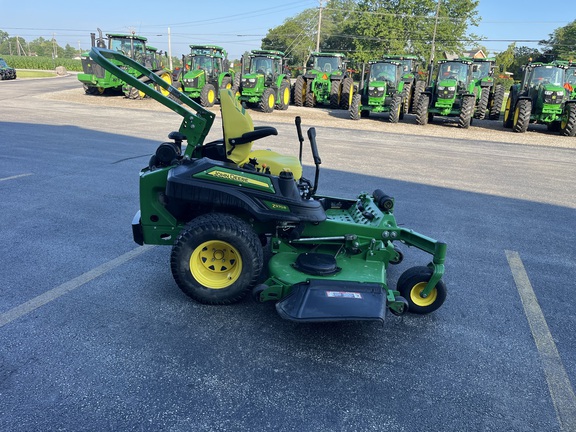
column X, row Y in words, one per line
column 481, row 130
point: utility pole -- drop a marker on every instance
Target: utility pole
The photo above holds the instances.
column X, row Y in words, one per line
column 169, row 49
column 319, row 26
column 431, row 66
column 18, row 44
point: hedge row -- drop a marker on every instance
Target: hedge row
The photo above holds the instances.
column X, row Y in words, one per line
column 42, row 63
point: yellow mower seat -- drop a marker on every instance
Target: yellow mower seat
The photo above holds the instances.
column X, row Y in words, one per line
column 239, row 131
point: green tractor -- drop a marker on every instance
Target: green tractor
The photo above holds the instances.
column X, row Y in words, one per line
column 97, row 81
column 326, row 81
column 381, row 90
column 265, row 84
column 451, row 94
column 221, row 205
column 541, row 98
column 489, row 96
column 205, row 71
column 6, row 72
column 570, row 84
column 413, row 85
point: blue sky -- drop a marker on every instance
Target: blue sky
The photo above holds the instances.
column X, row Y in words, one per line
column 240, row 25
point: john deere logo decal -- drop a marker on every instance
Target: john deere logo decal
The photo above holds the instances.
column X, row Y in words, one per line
column 238, row 179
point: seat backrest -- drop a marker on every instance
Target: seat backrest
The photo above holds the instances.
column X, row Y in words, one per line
column 235, row 122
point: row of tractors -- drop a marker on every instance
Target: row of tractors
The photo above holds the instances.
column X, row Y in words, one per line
column 464, row 88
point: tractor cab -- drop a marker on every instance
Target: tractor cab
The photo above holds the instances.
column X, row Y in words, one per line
column 268, row 64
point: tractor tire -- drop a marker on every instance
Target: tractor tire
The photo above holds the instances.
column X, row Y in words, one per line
column 335, row 92
column 236, row 85
column 226, row 83
column 216, row 259
column 299, row 91
column 465, row 116
column 208, row 96
column 134, row 93
column 419, row 87
column 496, row 103
column 522, row 116
column 347, row 93
column 166, row 77
column 310, row 101
column 482, row 106
column 406, row 97
column 395, row 108
column 421, row 110
column 568, row 123
column 89, row 90
column 508, row 113
column 412, row 282
column 283, row 96
column 267, row 101
column 355, row 107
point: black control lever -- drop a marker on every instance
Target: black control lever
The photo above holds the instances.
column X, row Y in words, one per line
column 298, row 122
column 315, row 156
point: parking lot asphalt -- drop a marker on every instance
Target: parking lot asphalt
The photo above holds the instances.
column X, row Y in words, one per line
column 96, row 335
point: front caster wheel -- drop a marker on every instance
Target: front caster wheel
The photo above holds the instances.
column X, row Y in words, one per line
column 216, row 258
column 411, row 284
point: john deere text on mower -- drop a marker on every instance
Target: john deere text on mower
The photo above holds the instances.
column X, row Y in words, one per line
column 218, row 203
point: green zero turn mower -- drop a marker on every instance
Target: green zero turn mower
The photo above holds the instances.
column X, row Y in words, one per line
column 219, row 204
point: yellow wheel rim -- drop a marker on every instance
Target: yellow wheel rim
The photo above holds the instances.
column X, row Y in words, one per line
column 350, row 95
column 216, row 264
column 420, row 301
column 286, row 96
column 211, row 96
column 271, row 101
column 166, row 77
column 507, row 109
column 101, row 90
column 516, row 114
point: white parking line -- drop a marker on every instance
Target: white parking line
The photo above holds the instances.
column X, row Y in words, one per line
column 559, row 384
column 66, row 287
column 16, row 176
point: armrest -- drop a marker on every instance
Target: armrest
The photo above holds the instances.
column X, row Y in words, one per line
column 257, row 133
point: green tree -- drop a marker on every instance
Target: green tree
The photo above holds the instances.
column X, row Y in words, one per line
column 562, row 43
column 505, row 59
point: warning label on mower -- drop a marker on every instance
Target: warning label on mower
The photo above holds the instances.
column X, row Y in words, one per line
column 344, row 294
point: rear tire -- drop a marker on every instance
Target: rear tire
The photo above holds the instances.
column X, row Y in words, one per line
column 335, row 93
column 419, row 87
column 508, row 113
column 395, row 107
column 496, row 104
column 355, row 107
column 406, row 98
column 480, row 112
column 568, row 125
column 422, row 110
column 347, row 93
column 522, row 116
column 300, row 91
column 216, row 259
column 310, row 98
